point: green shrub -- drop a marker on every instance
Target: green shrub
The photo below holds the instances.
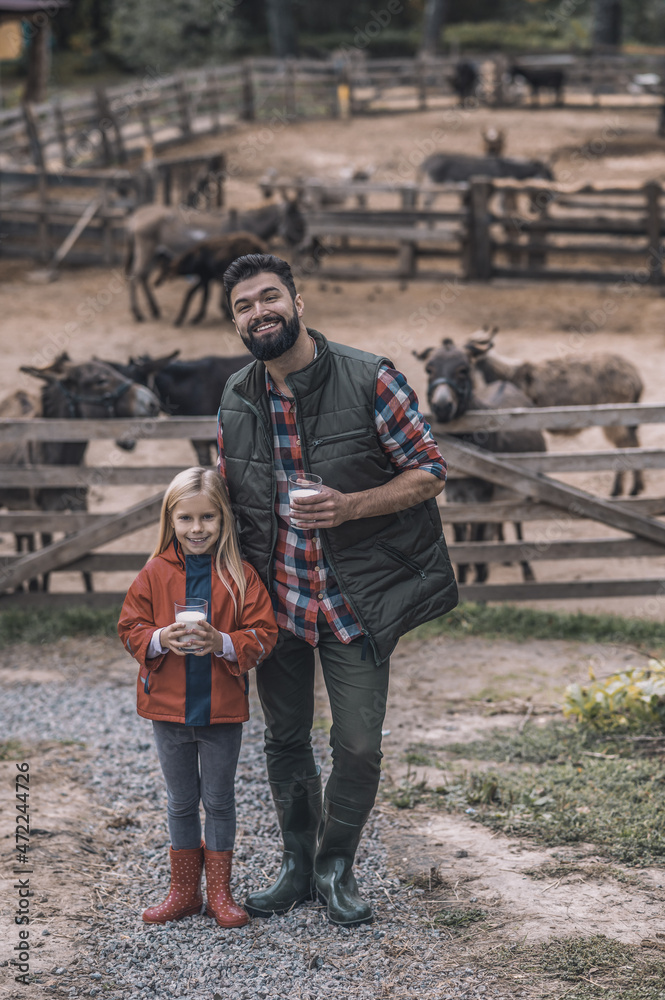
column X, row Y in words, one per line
column 44, row 626
column 632, row 700
column 530, row 36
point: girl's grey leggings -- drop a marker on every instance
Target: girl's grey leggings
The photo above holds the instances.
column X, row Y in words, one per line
column 199, row 765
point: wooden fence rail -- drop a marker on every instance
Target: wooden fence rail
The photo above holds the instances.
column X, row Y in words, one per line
column 488, row 227
column 39, row 208
column 532, row 496
column 110, row 125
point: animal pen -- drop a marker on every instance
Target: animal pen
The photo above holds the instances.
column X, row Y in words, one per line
column 485, row 229
column 550, row 509
column 80, row 213
column 112, row 125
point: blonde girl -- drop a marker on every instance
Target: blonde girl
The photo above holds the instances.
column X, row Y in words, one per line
column 192, row 682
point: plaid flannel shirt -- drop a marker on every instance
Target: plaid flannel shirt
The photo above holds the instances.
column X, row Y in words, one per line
column 303, row 582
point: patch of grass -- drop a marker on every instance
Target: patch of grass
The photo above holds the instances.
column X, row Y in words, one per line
column 417, row 757
column 409, row 793
column 613, row 804
column 596, row 966
column 460, row 917
column 556, row 742
column 43, row 626
column 507, row 621
column 11, row 750
column 538, row 744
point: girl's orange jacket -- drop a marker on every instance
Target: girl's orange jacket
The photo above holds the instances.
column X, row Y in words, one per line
column 195, row 690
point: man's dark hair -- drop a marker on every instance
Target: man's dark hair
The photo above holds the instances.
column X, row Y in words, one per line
column 258, row 263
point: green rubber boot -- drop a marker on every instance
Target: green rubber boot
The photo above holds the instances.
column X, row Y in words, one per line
column 298, row 806
column 335, row 882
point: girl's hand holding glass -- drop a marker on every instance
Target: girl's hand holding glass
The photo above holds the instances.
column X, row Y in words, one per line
column 177, row 637
column 207, row 639
column 200, row 640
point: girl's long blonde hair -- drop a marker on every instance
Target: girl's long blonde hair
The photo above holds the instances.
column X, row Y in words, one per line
column 191, row 483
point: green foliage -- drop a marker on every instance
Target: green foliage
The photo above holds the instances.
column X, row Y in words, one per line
column 389, row 43
column 146, row 36
column 507, row 621
column 533, row 36
column 45, row 626
column 632, row 700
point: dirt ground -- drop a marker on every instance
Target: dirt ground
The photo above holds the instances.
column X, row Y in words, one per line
column 438, row 688
column 442, row 691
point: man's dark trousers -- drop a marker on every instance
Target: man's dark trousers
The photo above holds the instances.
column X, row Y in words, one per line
column 357, row 689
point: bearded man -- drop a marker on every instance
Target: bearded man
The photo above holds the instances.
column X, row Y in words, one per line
column 349, row 569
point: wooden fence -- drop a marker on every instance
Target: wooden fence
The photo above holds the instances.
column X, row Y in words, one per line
column 41, row 208
column 115, row 124
column 482, row 230
column 550, row 509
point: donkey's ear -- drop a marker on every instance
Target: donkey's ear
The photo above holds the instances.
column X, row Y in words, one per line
column 423, row 355
column 46, row 374
column 481, row 342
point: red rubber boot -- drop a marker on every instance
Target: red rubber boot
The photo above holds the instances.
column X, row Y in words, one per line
column 184, row 898
column 221, row 904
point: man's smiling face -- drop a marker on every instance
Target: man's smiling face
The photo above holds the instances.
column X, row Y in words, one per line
column 266, row 317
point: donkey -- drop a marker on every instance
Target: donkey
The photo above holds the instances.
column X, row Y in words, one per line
column 88, row 391
column 153, row 230
column 451, row 393
column 575, row 380
column 185, row 388
column 207, row 260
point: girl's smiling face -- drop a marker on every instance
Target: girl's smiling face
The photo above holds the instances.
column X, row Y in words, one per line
column 197, row 523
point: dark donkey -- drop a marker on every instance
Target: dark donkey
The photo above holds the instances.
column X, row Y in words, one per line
column 88, row 391
column 185, row 388
column 451, row 393
column 158, row 231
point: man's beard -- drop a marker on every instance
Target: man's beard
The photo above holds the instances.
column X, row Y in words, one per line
column 267, row 348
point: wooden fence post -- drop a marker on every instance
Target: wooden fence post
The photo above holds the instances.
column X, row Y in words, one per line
column 44, row 243
column 183, row 106
column 510, row 227
column 538, row 258
column 212, row 93
column 653, row 192
column 108, row 118
column 290, row 93
column 478, row 263
column 32, row 132
column 248, row 110
column 61, row 130
column 421, row 77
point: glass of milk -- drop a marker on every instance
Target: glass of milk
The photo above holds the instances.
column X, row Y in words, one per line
column 190, row 613
column 302, row 484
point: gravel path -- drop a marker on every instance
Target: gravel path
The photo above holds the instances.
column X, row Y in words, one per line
column 300, row 955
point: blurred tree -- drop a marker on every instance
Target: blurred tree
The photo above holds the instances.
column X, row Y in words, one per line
column 433, row 18
column 89, row 19
column 39, row 61
column 282, row 28
column 146, row 34
column 607, row 20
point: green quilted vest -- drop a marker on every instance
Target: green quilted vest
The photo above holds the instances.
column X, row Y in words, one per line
column 393, row 570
